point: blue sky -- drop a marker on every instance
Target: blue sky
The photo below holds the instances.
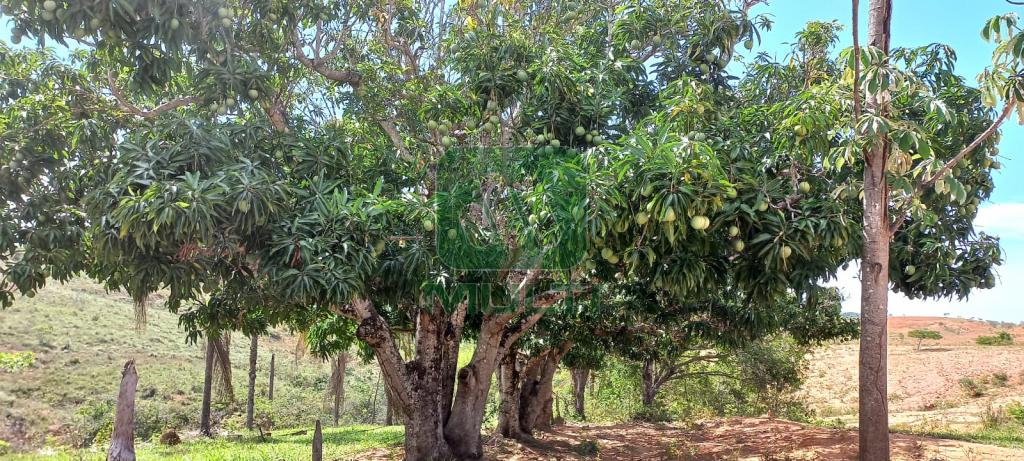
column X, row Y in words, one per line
column 957, row 23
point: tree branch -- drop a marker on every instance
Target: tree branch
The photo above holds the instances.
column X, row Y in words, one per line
column 921, row 186
column 123, row 102
column 316, row 63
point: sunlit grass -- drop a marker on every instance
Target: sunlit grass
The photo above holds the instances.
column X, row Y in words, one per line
column 339, row 443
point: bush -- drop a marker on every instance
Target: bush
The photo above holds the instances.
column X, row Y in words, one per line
column 1000, row 379
column 652, row 414
column 91, row 422
column 16, row 361
column 971, row 388
column 5, row 448
column 1016, row 411
column 587, row 448
column 1003, row 338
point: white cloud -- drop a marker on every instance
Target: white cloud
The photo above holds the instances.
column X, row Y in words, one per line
column 1005, row 220
column 1000, row 303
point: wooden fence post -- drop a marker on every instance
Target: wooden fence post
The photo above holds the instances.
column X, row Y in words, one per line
column 270, row 392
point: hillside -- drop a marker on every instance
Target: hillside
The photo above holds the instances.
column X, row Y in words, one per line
column 951, row 382
column 81, row 336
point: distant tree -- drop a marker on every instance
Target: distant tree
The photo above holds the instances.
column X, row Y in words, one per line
column 922, row 334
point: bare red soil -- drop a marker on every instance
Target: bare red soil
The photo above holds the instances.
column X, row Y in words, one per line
column 730, row 439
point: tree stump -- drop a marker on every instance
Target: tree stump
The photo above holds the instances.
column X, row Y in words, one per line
column 122, row 439
column 318, row 443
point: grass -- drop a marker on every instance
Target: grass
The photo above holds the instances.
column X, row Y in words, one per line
column 339, row 443
column 1008, row 435
column 79, row 337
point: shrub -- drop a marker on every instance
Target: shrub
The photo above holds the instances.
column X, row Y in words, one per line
column 5, row 448
column 971, row 388
column 1016, row 411
column 16, row 361
column 170, row 438
column 1000, row 379
column 1002, row 338
column 587, row 448
column 652, row 414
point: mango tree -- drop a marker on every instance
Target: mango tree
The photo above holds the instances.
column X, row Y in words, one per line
column 925, row 140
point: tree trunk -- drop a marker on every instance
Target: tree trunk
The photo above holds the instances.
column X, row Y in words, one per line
column 462, row 430
column 580, row 377
column 250, row 400
column 341, row 363
column 537, row 396
column 873, row 405
column 650, row 383
column 204, row 418
column 270, row 385
column 318, row 442
column 122, row 439
column 509, row 380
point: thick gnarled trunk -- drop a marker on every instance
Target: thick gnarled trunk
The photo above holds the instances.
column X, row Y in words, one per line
column 526, row 392
column 536, row 396
column 873, row 405
column 509, row 380
column 443, row 419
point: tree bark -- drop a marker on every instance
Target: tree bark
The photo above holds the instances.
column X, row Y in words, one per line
column 650, row 382
column 474, row 383
column 270, row 385
column 340, row 364
column 318, row 442
column 122, row 439
column 537, row 396
column 509, row 381
column 580, row 377
column 204, row 418
column 441, row 419
column 250, row 400
column 873, row 405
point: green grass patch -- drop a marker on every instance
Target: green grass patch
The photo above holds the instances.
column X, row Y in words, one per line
column 339, row 443
column 1007, row 435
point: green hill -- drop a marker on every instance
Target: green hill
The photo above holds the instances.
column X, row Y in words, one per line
column 80, row 336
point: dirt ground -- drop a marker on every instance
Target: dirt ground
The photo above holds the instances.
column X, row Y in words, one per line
column 924, row 385
column 731, row 439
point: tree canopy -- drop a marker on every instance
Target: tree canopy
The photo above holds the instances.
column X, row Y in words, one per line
column 395, row 163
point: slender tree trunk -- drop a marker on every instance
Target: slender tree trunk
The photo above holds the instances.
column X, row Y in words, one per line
column 250, row 400
column 389, row 412
column 509, row 380
column 580, row 377
column 270, row 385
column 650, row 383
column 122, row 439
column 341, row 363
column 318, row 442
column 874, row 415
column 204, row 418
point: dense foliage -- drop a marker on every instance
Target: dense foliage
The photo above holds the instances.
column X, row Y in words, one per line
column 309, row 161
